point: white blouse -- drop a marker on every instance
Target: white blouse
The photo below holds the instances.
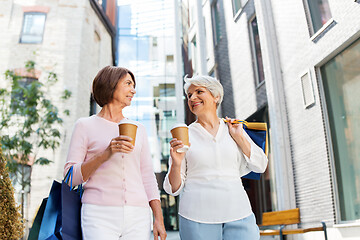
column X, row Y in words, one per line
column 211, row 189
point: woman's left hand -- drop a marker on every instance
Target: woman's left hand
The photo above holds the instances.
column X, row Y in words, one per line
column 235, row 129
column 237, row 133
column 159, row 230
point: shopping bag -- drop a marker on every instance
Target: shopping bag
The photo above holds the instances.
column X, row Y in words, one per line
column 257, row 131
column 60, row 218
column 71, row 208
column 51, row 222
column 34, row 230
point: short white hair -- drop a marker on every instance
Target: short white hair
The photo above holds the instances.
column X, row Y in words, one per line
column 210, row 83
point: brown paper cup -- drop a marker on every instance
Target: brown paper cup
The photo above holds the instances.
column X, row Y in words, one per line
column 128, row 129
column 181, row 132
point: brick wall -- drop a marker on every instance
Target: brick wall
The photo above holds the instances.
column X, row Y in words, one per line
column 240, row 61
column 298, row 54
column 69, row 49
column 310, row 160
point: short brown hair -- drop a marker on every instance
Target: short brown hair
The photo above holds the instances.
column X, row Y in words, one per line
column 105, row 82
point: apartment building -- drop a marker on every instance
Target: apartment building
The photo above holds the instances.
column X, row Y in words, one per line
column 73, row 39
column 295, row 65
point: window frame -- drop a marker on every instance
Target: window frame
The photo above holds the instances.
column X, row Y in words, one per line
column 23, row 26
column 193, row 53
column 254, row 56
column 214, row 16
column 328, row 132
column 236, row 11
column 23, row 81
column 312, row 32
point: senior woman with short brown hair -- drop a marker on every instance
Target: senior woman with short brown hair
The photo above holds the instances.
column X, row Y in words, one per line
column 213, row 202
column 120, row 184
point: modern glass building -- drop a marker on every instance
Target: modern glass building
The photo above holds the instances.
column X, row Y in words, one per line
column 146, row 46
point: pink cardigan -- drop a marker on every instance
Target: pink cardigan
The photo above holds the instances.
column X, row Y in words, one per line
column 125, row 179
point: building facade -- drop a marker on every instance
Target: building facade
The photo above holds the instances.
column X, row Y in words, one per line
column 73, row 39
column 147, row 47
column 295, row 65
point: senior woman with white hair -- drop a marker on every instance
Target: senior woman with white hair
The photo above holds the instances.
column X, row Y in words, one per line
column 213, row 202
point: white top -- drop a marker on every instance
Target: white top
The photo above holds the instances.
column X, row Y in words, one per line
column 211, row 189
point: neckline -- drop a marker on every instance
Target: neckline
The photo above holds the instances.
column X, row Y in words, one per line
column 208, row 133
column 108, row 120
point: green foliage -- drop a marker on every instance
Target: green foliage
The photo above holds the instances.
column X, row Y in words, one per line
column 29, row 121
column 11, row 223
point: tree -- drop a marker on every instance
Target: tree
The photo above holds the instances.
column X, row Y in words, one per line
column 29, row 122
column 11, row 223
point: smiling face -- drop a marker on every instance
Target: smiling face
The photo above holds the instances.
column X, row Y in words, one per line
column 124, row 91
column 200, row 100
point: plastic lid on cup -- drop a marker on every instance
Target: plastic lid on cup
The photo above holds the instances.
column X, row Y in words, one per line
column 129, row 121
column 179, row 125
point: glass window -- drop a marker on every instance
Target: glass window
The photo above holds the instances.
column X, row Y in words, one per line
column 21, row 179
column 341, row 77
column 33, row 27
column 258, row 63
column 169, row 113
column 216, row 21
column 143, row 48
column 319, row 12
column 238, row 5
column 166, row 90
column 193, row 52
column 170, row 67
column 18, row 93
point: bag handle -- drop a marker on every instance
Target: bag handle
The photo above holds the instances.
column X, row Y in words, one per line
column 251, row 125
column 236, row 121
column 260, row 126
column 68, row 176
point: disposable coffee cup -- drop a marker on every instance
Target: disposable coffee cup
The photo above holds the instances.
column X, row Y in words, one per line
column 181, row 132
column 128, row 128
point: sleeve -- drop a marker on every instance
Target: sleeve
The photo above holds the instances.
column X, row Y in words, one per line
column 77, row 152
column 147, row 169
column 167, row 185
column 258, row 160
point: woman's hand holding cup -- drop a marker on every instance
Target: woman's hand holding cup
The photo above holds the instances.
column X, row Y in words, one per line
column 180, row 143
column 125, row 142
column 176, row 156
column 122, row 144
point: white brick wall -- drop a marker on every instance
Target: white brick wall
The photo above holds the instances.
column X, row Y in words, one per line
column 241, row 66
column 68, row 49
column 298, row 54
column 310, row 160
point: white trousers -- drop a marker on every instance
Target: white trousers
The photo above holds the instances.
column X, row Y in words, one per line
column 114, row 223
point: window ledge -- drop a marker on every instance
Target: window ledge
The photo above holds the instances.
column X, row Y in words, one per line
column 236, row 17
column 356, row 223
column 323, row 29
column 260, row 84
column 239, row 12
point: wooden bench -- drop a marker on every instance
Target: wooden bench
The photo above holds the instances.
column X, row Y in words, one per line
column 284, row 218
